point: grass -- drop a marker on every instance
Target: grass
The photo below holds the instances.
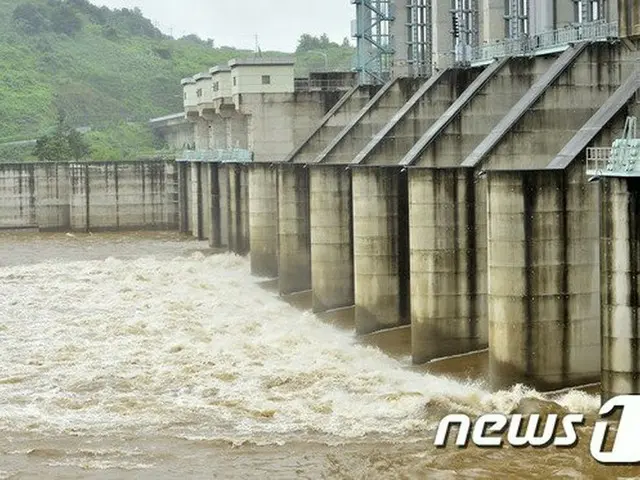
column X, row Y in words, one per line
column 110, row 75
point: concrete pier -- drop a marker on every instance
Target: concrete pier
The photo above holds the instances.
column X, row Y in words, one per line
column 473, row 115
column 543, row 282
column 331, row 223
column 557, row 105
column 197, row 227
column 235, row 210
column 620, row 268
column 205, row 201
column 431, row 100
column 448, row 286
column 332, row 123
column 183, row 196
column 223, row 188
column 263, row 219
column 369, row 121
column 245, row 233
column 381, row 247
column 214, row 212
column 294, row 237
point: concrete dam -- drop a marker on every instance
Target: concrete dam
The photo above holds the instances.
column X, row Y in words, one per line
column 480, row 190
column 458, row 205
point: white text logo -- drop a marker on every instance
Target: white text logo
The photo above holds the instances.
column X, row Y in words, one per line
column 534, row 432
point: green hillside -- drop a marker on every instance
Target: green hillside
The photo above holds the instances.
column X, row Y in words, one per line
column 110, row 70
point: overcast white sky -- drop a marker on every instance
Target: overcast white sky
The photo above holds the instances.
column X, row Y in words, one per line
column 278, row 23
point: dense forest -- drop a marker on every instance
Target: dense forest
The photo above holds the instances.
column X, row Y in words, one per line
column 107, row 71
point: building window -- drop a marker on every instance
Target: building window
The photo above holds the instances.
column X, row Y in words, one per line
column 199, row 93
column 266, row 79
column 234, row 81
column 216, row 86
column 185, row 95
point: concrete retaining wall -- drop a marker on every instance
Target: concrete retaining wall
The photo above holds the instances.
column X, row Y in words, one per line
column 89, row 196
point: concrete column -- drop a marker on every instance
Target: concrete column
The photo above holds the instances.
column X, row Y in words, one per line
column 245, row 235
column 202, row 134
column 545, row 16
column 492, row 21
column 620, row 264
column 205, row 187
column 448, row 315
column 215, row 234
column 237, row 134
column 442, row 37
column 294, row 235
column 223, row 188
column 196, row 200
column 543, row 279
column 381, row 249
column 263, row 219
column 235, row 218
column 183, row 197
column 565, row 14
column 400, row 33
column 217, row 133
column 331, row 225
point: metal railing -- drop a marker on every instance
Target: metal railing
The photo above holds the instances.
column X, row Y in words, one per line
column 307, row 84
column 599, row 30
column 221, row 155
column 598, row 160
column 621, row 160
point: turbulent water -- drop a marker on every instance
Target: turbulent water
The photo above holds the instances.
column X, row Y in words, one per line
column 133, row 356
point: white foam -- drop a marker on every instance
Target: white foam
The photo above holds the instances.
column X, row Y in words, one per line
column 193, row 347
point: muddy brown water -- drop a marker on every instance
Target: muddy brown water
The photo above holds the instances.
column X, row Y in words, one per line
column 148, row 355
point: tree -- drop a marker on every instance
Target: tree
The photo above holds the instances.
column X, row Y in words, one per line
column 309, row 42
column 64, row 144
column 32, row 19
column 65, row 20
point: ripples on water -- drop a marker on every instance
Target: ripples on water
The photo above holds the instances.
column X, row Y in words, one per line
column 180, row 351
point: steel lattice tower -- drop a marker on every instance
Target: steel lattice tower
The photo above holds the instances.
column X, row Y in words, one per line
column 375, row 48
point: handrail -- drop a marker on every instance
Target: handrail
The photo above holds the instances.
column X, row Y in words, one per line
column 599, row 30
column 221, row 155
column 303, row 84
